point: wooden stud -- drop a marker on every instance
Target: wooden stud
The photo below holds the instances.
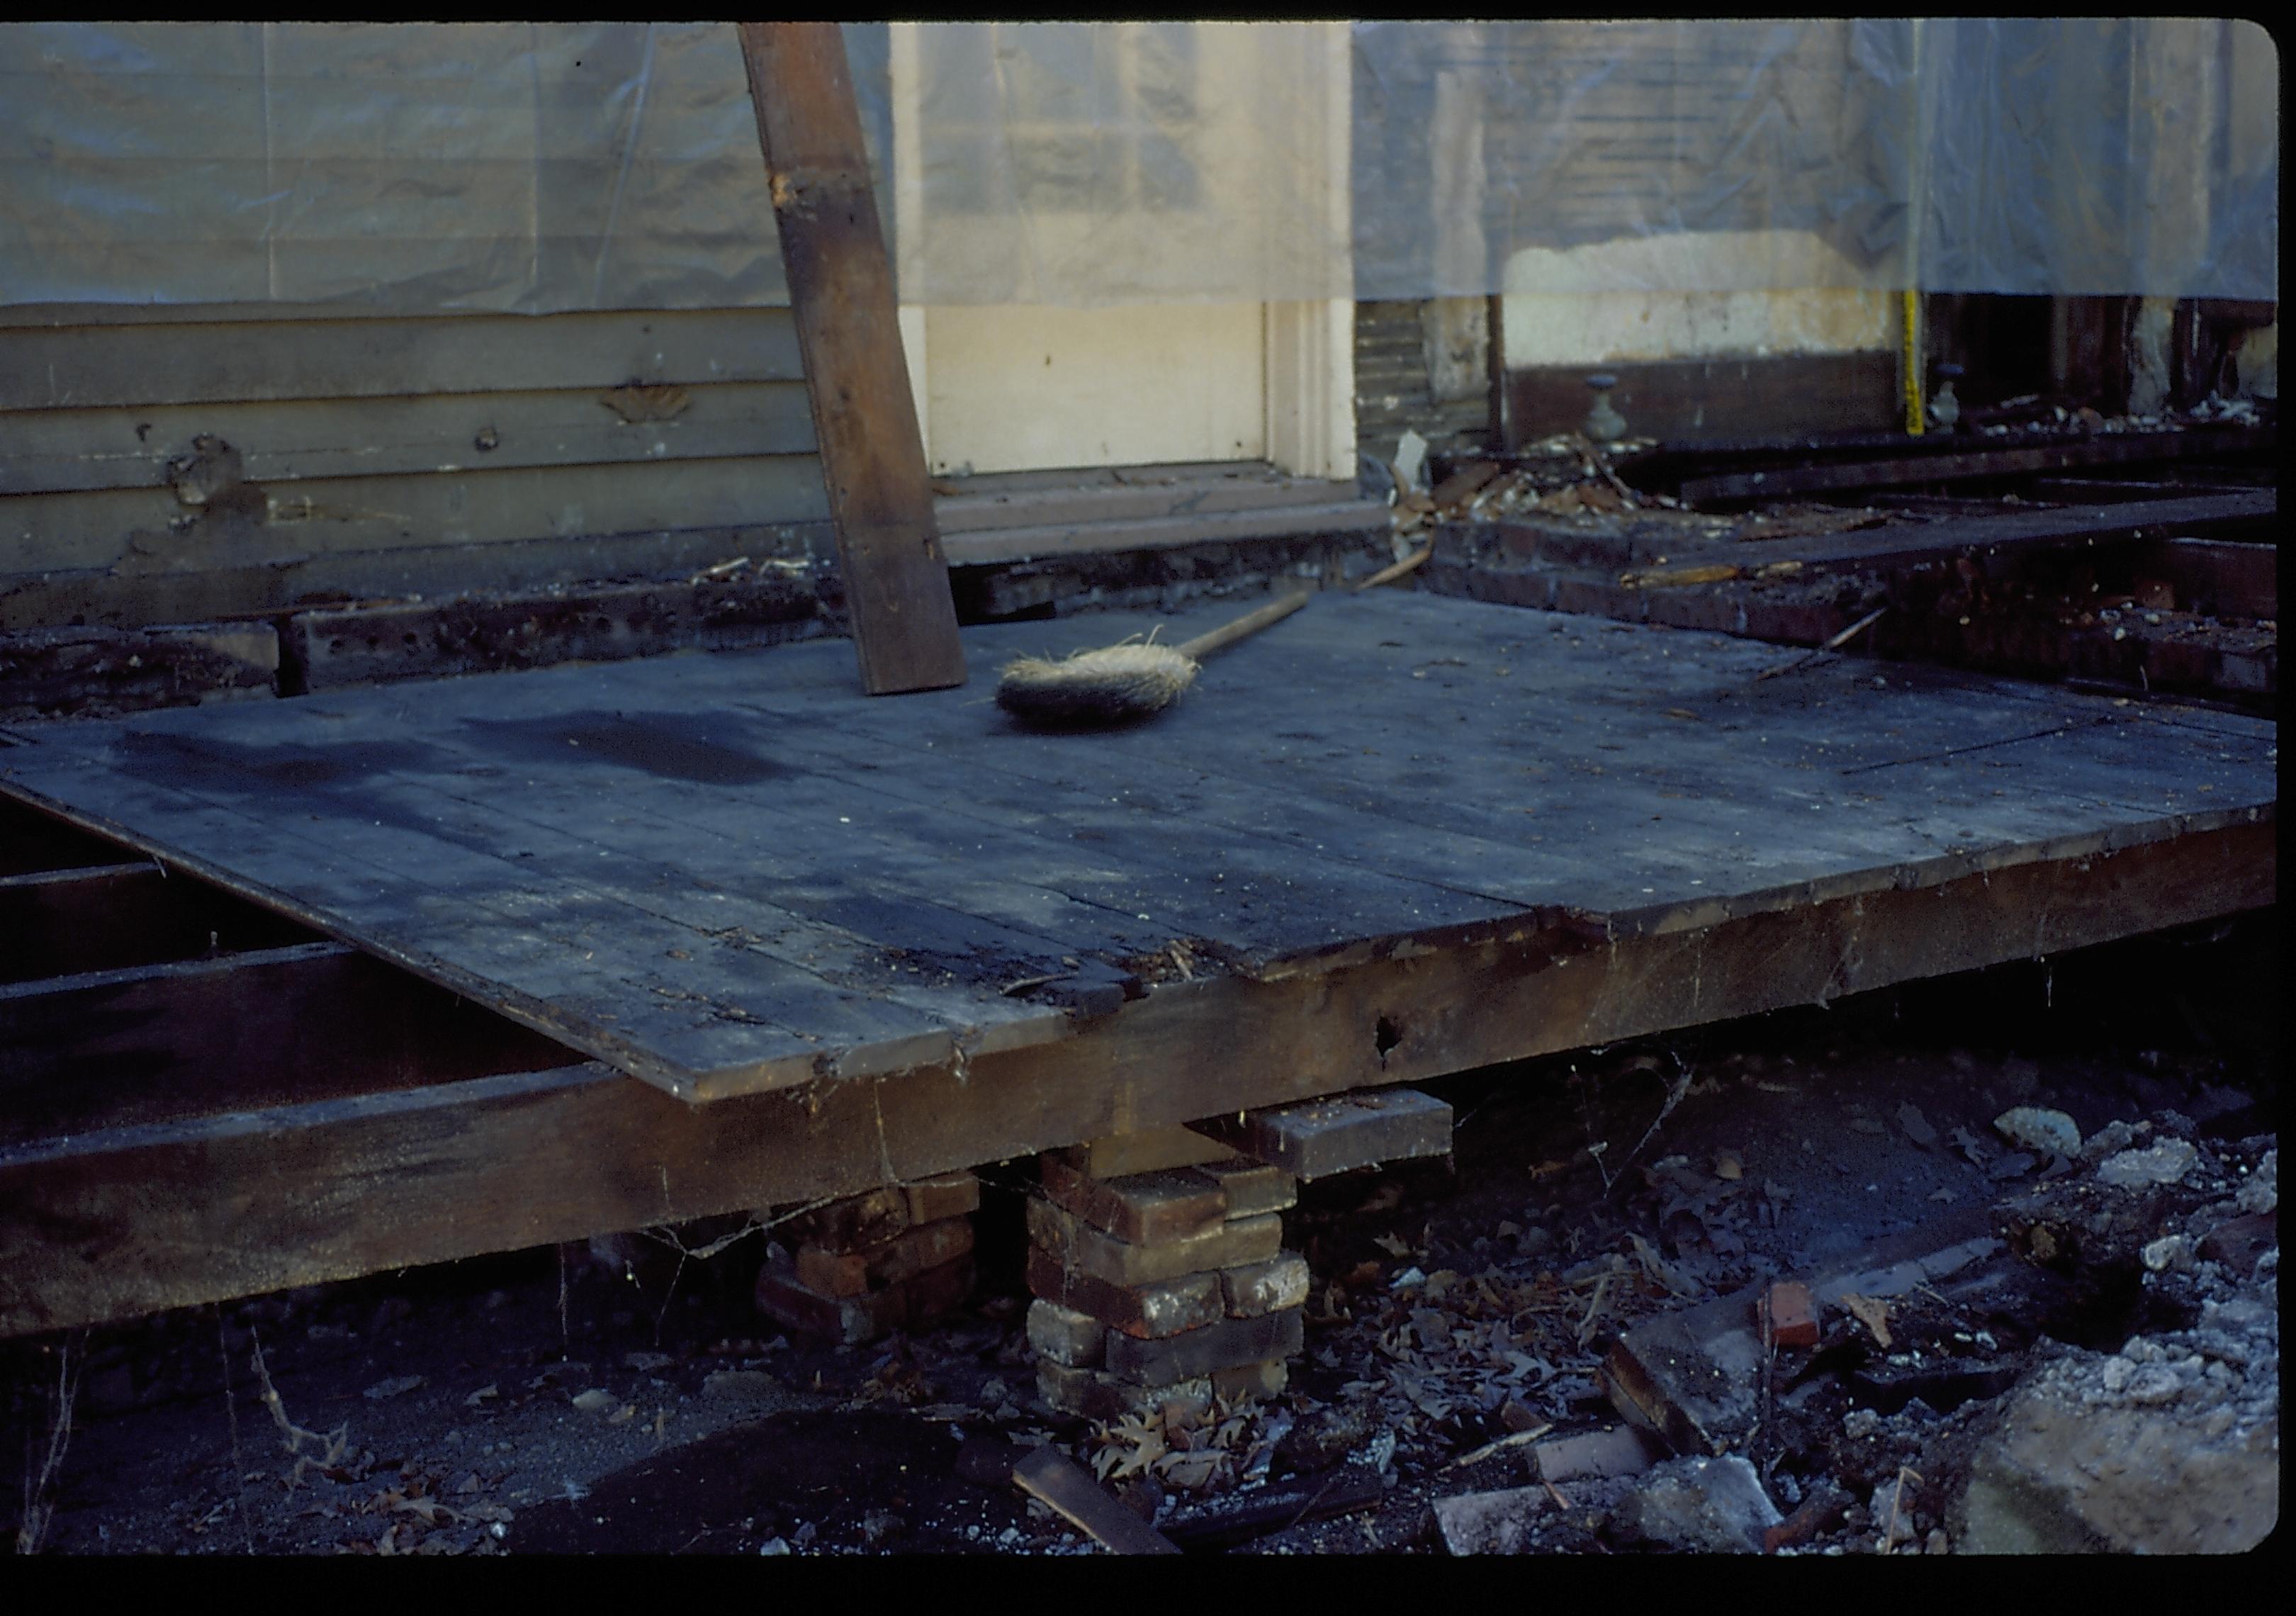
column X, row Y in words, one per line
column 840, row 283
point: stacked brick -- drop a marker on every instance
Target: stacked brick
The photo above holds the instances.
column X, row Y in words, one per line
column 898, row 1257
column 1160, row 1274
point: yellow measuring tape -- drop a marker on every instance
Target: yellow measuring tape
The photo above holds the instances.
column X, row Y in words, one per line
column 1912, row 365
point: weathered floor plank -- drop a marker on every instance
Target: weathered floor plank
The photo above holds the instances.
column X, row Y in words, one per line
column 734, row 871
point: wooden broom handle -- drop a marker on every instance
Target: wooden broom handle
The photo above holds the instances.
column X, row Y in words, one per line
column 1251, row 622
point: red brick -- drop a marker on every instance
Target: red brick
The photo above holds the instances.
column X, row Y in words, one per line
column 949, row 1195
column 875, row 1216
column 1083, row 1248
column 852, row 1273
column 1265, row 1287
column 1264, row 1379
column 866, row 1220
column 1251, row 1187
column 1143, row 1151
column 1230, row 1344
column 913, row 1303
column 1793, row 1317
column 1143, row 1208
column 1159, row 1308
column 1065, row 1335
column 1098, row 1395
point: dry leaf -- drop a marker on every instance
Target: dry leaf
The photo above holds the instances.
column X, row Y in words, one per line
column 430, row 1509
column 1191, row 1471
column 1871, row 1312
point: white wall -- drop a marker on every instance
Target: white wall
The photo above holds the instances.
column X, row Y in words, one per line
column 1603, row 303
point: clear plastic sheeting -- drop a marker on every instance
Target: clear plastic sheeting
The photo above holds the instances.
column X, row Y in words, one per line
column 1574, row 157
column 545, row 167
column 1089, row 164
column 2078, row 157
column 2050, row 156
column 484, row 167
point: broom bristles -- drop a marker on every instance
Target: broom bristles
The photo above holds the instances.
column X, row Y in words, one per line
column 1104, row 686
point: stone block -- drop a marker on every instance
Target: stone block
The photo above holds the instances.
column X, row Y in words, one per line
column 1620, row 1451
column 1490, row 1523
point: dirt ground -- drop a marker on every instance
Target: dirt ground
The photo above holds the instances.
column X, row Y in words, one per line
column 559, row 1402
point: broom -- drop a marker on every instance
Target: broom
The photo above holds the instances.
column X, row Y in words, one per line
column 1118, row 684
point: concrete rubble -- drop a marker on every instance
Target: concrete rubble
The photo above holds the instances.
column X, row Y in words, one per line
column 1935, row 1434
column 1702, row 1505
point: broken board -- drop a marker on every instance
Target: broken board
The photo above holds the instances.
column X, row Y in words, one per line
column 732, row 871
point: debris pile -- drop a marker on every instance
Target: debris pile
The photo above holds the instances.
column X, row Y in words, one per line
column 2097, row 1368
column 1565, row 476
column 2032, row 413
column 898, row 1257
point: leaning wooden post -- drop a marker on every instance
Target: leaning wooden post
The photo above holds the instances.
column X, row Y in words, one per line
column 865, row 419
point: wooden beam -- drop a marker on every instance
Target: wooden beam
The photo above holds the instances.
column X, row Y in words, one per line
column 2133, row 448
column 152, row 1044
column 31, row 842
column 108, row 917
column 2215, row 514
column 873, row 460
column 2220, row 577
column 132, row 1219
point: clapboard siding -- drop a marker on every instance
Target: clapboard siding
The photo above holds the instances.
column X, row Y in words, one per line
column 127, row 528
column 89, row 367
column 73, row 451
column 409, row 454
column 97, row 596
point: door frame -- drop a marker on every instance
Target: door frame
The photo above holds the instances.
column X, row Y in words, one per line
column 1308, row 347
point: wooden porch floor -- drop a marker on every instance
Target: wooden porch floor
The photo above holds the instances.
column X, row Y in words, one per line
column 1395, row 837
column 732, row 873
